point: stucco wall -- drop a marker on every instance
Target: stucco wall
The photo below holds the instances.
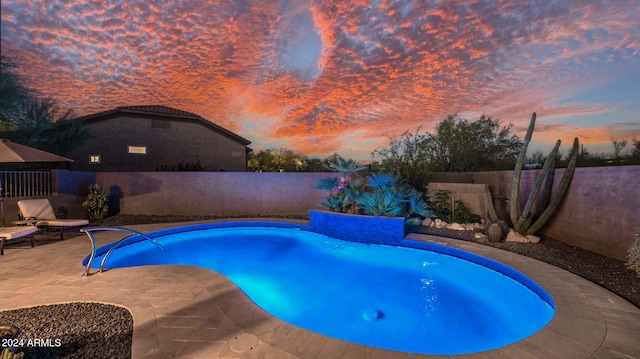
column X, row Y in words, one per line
column 600, row 213
column 213, row 193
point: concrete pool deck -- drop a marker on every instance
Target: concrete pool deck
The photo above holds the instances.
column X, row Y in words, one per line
column 190, row 312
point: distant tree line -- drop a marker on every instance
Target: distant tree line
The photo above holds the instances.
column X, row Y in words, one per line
column 455, row 145
column 285, row 160
column 29, row 119
column 619, row 157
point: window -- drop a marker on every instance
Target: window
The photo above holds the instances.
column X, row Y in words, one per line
column 160, row 124
column 95, row 159
column 137, row 150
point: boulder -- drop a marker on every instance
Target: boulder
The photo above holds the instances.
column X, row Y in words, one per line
column 533, row 239
column 514, row 236
column 427, row 222
column 440, row 223
column 456, row 226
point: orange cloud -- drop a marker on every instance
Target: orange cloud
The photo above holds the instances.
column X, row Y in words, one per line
column 330, row 76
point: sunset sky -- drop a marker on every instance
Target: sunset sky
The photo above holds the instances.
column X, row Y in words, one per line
column 324, row 76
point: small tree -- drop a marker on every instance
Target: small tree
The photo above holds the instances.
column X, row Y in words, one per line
column 406, row 157
column 618, row 146
column 635, row 151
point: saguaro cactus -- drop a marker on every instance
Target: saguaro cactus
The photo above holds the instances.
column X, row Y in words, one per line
column 524, row 221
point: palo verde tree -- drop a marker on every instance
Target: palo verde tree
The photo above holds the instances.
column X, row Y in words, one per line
column 458, row 145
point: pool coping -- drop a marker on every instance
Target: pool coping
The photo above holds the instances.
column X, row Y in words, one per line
column 191, row 312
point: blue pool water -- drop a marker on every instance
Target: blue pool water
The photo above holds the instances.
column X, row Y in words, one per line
column 397, row 298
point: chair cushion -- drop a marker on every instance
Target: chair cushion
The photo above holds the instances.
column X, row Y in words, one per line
column 37, row 208
column 62, row 223
column 16, row 232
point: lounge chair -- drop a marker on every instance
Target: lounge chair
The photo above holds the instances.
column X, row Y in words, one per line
column 8, row 233
column 41, row 212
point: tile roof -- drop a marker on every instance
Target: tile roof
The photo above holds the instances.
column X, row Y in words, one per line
column 164, row 111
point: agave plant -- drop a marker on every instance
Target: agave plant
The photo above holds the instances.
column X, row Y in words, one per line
column 383, row 195
column 418, row 205
column 343, row 191
column 382, row 180
column 382, row 203
column 345, row 167
column 335, row 203
column 327, row 184
column 354, row 191
column 388, row 196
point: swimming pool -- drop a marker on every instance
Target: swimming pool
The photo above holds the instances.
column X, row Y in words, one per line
column 406, row 299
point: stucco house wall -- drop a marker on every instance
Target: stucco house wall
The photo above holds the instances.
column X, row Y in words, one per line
column 160, row 136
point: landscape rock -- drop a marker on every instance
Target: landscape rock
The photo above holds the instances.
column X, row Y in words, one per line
column 480, row 236
column 427, row 222
column 533, row 239
column 440, row 223
column 86, row 330
column 514, row 236
column 456, row 226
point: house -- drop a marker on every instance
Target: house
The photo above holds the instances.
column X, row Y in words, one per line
column 152, row 138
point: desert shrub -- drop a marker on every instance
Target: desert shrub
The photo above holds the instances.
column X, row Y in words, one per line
column 457, row 212
column 8, row 354
column 182, row 167
column 633, row 256
column 97, row 203
column 406, row 157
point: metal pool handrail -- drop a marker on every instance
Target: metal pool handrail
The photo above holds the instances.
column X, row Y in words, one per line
column 89, row 233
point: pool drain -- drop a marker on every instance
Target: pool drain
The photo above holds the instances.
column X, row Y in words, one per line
column 243, row 342
column 372, row 315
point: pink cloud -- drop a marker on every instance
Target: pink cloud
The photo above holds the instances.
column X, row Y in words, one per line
column 375, row 70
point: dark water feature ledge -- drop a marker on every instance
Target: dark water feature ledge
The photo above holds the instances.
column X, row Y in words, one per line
column 357, row 228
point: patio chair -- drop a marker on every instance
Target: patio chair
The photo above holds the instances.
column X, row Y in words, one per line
column 42, row 213
column 9, row 233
